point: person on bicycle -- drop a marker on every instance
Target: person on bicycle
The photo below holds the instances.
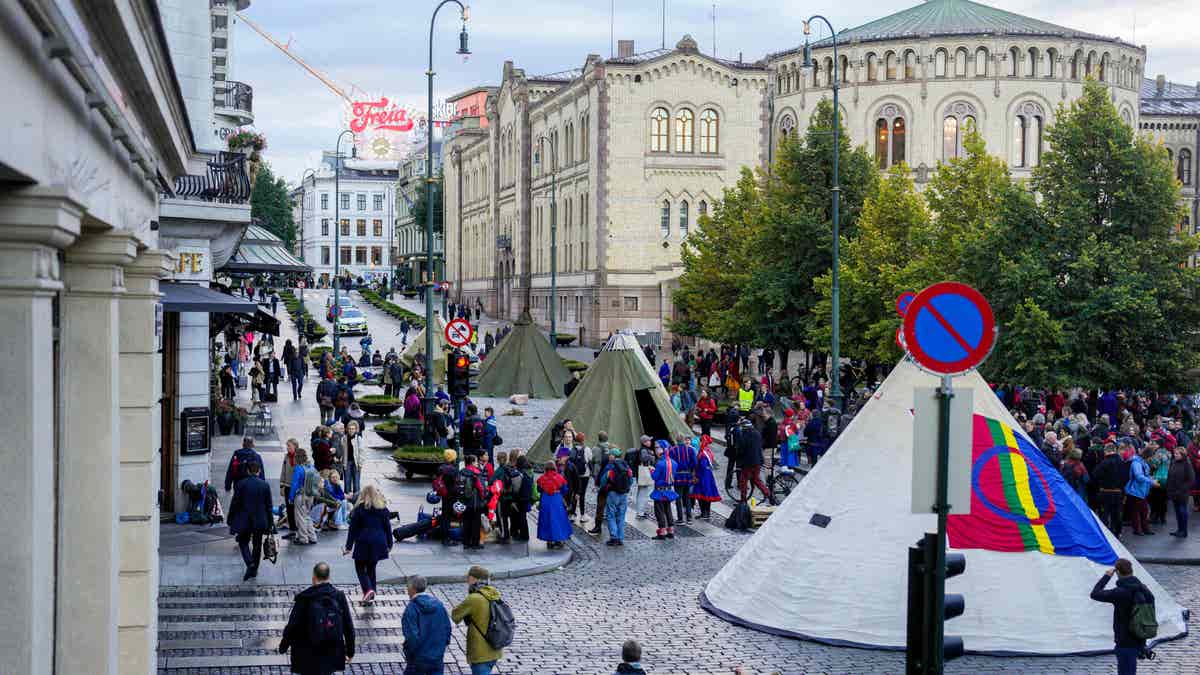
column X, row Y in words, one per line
column 750, row 460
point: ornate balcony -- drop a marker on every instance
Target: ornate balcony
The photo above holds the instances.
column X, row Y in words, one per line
column 236, row 101
column 226, row 181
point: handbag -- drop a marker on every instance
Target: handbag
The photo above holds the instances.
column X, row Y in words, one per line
column 714, row 380
column 497, row 441
column 270, row 548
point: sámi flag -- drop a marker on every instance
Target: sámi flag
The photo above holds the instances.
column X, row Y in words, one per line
column 1020, row 502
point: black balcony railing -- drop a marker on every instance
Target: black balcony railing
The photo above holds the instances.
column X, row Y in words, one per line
column 238, row 96
column 225, row 182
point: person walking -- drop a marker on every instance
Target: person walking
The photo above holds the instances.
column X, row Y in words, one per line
column 474, row 495
column 664, row 493
column 1180, row 479
column 273, row 373
column 706, row 411
column 1110, row 480
column 522, row 489
column 286, row 469
column 305, row 487
column 320, row 628
column 426, row 628
column 250, row 517
column 296, row 371
column 604, row 450
column 240, row 462
column 1137, row 489
column 641, row 459
column 369, row 538
column 1127, row 591
column 553, row 526
column 750, row 459
column 475, row 612
column 683, row 458
column 616, row 477
column 227, row 383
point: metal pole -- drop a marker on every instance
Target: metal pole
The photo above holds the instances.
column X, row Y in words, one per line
column 936, row 655
column 554, row 249
column 337, row 239
column 429, row 206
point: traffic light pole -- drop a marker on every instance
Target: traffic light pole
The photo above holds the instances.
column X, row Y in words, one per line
column 942, row 508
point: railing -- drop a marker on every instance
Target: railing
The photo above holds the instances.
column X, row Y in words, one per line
column 226, row 181
column 504, row 242
column 239, row 96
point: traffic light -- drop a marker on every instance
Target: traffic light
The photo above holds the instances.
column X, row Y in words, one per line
column 458, row 374
column 925, row 622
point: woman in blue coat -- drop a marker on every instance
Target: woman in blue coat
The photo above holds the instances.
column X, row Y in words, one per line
column 370, row 538
column 664, row 492
column 553, row 526
column 705, row 491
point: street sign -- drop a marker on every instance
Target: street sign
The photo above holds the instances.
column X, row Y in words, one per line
column 925, row 450
column 900, row 339
column 949, row 328
column 904, row 301
column 300, row 284
column 444, row 286
column 459, row 332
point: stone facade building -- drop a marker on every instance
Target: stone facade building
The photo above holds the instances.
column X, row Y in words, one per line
column 1171, row 114
column 627, row 154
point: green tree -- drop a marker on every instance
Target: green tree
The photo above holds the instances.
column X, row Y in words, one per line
column 1120, row 272
column 271, row 204
column 420, row 201
column 717, row 263
column 793, row 241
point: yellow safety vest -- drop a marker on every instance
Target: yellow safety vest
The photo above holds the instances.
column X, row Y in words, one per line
column 745, row 400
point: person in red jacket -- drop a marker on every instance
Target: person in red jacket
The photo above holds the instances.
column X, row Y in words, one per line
column 706, row 410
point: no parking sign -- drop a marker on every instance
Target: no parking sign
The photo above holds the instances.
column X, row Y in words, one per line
column 949, row 328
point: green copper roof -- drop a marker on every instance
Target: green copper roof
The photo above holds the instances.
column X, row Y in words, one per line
column 953, row 17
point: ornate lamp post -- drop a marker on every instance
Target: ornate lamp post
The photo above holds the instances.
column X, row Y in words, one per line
column 337, row 237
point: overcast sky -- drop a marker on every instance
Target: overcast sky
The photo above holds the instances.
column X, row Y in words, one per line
column 381, row 47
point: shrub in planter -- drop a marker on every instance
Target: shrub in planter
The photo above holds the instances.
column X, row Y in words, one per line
column 574, row 366
column 399, row 431
column 418, row 459
column 378, row 404
column 563, row 339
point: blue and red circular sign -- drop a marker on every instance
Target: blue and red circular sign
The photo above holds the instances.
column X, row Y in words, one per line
column 949, row 328
column 903, row 301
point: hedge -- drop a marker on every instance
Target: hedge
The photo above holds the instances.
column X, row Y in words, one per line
column 391, row 309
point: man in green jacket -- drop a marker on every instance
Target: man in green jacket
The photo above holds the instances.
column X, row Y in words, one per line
column 477, row 613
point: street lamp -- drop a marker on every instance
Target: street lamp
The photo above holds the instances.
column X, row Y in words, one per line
column 462, row 49
column 537, row 159
column 337, row 237
column 836, row 391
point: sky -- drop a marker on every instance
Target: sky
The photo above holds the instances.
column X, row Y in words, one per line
column 381, row 46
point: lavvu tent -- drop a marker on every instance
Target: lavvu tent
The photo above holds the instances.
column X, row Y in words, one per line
column 523, row 363
column 416, row 347
column 1033, row 548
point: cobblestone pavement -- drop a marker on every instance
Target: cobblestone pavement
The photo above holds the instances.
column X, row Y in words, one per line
column 573, row 621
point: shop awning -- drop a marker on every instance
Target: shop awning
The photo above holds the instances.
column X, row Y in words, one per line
column 262, row 251
column 263, row 322
column 178, row 297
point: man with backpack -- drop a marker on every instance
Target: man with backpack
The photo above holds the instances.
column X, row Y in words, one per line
column 488, row 620
column 472, row 432
column 469, row 490
column 239, row 463
column 616, row 478
column 320, row 629
column 1134, row 620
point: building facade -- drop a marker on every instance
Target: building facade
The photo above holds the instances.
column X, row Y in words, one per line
column 568, row 162
column 411, row 259
column 638, row 147
column 351, row 217
column 1171, row 114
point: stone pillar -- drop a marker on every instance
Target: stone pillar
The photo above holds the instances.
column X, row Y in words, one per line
column 89, row 478
column 141, row 439
column 34, row 224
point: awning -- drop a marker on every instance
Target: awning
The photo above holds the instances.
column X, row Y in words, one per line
column 262, row 251
column 178, row 297
column 263, row 322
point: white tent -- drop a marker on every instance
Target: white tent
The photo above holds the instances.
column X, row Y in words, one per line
column 846, row 583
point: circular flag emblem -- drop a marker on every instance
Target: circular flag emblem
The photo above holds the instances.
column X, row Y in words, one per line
column 1021, row 507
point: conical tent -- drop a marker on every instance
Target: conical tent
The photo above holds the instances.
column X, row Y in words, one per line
column 416, row 345
column 619, row 395
column 1031, row 559
column 523, row 363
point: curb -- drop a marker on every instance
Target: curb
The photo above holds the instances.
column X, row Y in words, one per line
column 1156, row 560
column 509, row 574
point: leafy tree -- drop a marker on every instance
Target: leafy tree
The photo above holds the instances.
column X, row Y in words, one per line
column 793, row 241
column 717, row 263
column 271, row 204
column 418, row 206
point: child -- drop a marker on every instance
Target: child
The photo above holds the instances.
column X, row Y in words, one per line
column 664, row 492
column 789, row 448
column 553, row 526
column 705, row 491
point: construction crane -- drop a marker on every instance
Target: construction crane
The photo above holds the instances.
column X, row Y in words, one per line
column 312, row 71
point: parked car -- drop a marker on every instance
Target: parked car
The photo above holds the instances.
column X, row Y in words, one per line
column 352, row 321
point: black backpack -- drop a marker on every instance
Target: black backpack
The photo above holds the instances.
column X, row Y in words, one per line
column 618, row 477
column 324, row 621
column 241, row 464
column 465, row 488
column 578, row 461
column 501, row 625
column 740, row 518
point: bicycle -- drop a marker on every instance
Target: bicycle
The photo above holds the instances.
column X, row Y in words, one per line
column 780, row 484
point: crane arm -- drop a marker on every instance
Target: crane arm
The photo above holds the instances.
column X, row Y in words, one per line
column 284, row 48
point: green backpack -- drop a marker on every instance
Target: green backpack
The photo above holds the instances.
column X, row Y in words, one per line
column 1143, row 624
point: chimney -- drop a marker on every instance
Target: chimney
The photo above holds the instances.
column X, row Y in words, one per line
column 1160, row 84
column 624, row 49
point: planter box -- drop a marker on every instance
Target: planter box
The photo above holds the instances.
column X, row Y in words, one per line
column 379, row 408
column 564, row 340
column 418, row 460
column 400, row 432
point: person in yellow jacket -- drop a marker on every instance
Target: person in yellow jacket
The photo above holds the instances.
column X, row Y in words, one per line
column 476, row 612
column 745, row 398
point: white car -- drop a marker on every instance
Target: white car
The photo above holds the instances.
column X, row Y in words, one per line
column 351, row 321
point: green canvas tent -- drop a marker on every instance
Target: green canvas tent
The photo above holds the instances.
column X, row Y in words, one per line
column 619, row 395
column 416, row 346
column 523, row 363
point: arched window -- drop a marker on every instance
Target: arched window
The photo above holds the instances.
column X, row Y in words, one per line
column 889, row 65
column 1170, row 155
column 844, row 69
column 816, row 73
column 779, row 80
column 981, row 62
column 910, row 65
column 1102, row 75
column 1051, row 63
column 1076, row 65
column 1031, row 68
column 957, row 119
column 1027, row 135
column 787, row 127
column 685, row 122
column 829, row 70
column 569, row 155
column 960, row 62
column 939, row 63
column 683, row 219
column 1126, row 117
column 1090, row 64
column 1014, row 62
column 583, row 138
column 658, row 130
column 710, row 123
column 664, row 224
column 1184, row 171
column 872, row 68
column 889, row 136
column 702, row 210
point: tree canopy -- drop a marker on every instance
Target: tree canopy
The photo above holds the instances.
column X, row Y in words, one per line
column 271, row 204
